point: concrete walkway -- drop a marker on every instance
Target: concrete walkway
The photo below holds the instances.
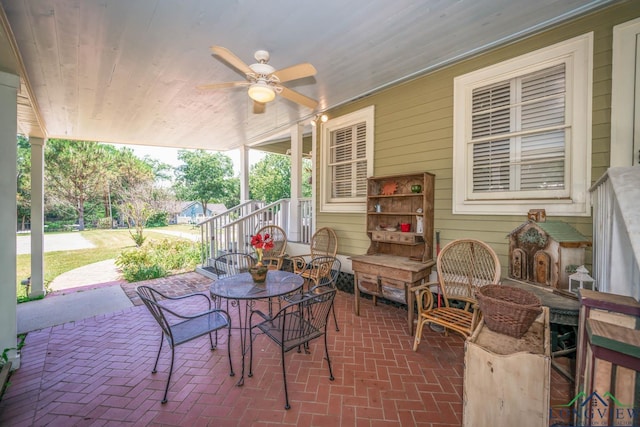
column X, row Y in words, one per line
column 54, row 242
column 99, row 272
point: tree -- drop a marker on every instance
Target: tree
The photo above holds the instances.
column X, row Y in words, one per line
column 270, row 178
column 23, row 195
column 136, row 208
column 74, row 173
column 204, row 177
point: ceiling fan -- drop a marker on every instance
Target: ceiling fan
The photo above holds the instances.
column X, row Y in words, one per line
column 263, row 80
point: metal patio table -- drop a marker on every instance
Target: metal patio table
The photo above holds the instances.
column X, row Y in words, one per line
column 242, row 292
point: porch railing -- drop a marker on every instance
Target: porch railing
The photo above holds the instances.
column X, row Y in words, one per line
column 305, row 215
column 616, row 248
column 231, row 231
column 210, row 229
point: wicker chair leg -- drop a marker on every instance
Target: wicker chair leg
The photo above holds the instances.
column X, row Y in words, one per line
column 418, row 337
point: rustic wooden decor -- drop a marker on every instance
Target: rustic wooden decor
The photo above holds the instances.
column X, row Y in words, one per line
column 545, row 252
column 396, row 260
column 495, row 368
column 389, row 188
column 607, row 362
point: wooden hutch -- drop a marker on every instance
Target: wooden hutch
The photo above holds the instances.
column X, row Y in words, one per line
column 400, row 226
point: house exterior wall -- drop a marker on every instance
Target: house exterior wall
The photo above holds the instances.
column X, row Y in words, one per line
column 414, row 133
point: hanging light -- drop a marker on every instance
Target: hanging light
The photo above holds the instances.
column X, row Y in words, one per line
column 261, row 92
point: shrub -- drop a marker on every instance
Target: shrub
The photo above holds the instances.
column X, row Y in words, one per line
column 158, row 219
column 158, row 259
column 104, row 223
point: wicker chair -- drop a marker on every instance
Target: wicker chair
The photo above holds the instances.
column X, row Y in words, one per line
column 463, row 266
column 274, row 257
column 324, row 242
column 180, row 327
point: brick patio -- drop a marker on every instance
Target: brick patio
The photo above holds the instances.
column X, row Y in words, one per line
column 97, row 372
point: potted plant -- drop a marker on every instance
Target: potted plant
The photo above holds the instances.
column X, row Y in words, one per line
column 259, row 271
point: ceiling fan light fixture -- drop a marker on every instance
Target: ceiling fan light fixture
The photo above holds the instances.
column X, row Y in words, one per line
column 261, row 92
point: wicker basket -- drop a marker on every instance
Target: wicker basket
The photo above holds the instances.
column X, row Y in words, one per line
column 508, row 310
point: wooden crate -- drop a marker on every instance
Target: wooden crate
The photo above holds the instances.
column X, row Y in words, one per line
column 506, row 379
column 608, row 361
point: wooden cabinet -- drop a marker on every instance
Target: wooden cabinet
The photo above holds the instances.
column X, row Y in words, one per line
column 400, row 227
column 507, row 380
column 392, row 205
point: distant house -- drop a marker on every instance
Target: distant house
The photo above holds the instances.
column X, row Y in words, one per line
column 192, row 212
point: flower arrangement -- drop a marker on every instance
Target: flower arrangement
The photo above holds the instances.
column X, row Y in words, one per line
column 261, row 244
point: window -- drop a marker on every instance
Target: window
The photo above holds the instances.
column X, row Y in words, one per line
column 522, row 133
column 347, row 161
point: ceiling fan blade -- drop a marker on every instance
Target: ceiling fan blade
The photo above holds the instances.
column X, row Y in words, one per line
column 259, row 107
column 298, row 98
column 226, row 55
column 295, row 72
column 223, row 85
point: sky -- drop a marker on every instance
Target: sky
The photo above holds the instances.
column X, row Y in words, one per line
column 170, row 155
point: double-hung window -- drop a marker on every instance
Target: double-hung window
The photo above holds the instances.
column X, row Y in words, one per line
column 347, row 161
column 522, row 133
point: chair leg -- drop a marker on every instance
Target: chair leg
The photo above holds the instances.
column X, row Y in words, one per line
column 418, row 337
column 155, row 367
column 284, row 378
column 335, row 318
column 166, row 389
column 231, row 373
column 326, row 352
column 250, row 354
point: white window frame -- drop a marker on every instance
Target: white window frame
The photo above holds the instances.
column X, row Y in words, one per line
column 354, row 204
column 577, row 53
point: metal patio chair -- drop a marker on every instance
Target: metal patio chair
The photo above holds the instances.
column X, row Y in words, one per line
column 326, row 271
column 294, row 326
column 179, row 328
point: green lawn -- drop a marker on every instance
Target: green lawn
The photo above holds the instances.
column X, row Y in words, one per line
column 109, row 244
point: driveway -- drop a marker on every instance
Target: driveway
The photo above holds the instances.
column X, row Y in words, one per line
column 54, row 242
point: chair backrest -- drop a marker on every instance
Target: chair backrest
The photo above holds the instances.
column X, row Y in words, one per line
column 324, row 242
column 232, row 263
column 327, row 269
column 279, row 238
column 150, row 297
column 465, row 265
column 305, row 320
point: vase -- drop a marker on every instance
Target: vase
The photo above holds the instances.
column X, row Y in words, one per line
column 258, row 273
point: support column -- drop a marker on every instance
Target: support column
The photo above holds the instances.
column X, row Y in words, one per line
column 296, row 182
column 9, row 84
column 37, row 217
column 244, row 173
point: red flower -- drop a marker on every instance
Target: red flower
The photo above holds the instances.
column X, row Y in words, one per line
column 260, row 243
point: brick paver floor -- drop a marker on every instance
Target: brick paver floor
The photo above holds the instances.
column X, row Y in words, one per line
column 97, row 372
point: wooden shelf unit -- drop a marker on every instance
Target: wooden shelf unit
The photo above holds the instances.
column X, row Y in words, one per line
column 401, row 207
column 396, row 260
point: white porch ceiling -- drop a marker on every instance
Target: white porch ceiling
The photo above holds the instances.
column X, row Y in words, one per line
column 126, row 71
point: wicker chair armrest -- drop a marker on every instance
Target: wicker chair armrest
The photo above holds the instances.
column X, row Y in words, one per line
column 428, row 285
column 300, row 262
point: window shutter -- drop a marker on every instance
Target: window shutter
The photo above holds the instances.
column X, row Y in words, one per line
column 518, row 133
column 348, row 162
